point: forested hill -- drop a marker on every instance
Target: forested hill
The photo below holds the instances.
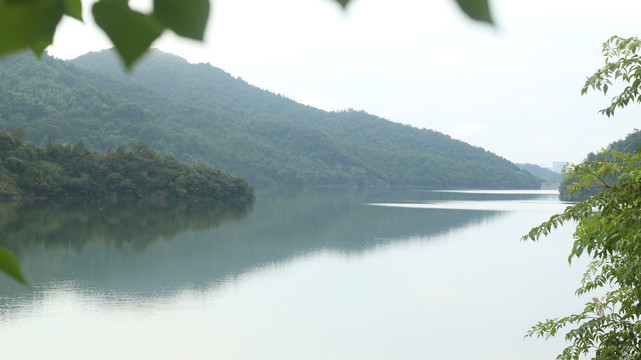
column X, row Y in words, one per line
column 65, row 171
column 545, row 174
column 630, row 144
column 199, row 113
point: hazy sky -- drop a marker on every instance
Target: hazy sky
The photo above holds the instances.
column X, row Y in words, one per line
column 513, row 89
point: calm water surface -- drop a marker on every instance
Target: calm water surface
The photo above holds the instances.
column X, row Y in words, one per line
column 311, row 275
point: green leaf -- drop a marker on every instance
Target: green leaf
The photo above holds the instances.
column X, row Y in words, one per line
column 9, row 265
column 24, row 24
column 131, row 32
column 73, row 8
column 343, row 3
column 186, row 18
column 476, row 9
column 39, row 47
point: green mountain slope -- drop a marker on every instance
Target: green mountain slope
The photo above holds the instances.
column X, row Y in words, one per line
column 630, row 144
column 543, row 173
column 65, row 171
column 199, row 113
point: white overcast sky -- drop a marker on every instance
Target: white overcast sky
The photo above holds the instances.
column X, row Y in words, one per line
column 513, row 89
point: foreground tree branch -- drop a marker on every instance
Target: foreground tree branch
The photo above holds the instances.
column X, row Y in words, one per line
column 608, row 229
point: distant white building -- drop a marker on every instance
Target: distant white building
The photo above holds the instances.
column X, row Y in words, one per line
column 557, row 166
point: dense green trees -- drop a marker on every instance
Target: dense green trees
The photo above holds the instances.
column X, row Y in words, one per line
column 608, row 231
column 629, row 144
column 64, row 171
column 197, row 113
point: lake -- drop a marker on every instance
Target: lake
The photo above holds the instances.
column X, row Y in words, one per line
column 317, row 274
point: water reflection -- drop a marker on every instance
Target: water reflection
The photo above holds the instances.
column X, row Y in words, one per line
column 74, row 223
column 115, row 247
column 498, row 200
column 312, row 275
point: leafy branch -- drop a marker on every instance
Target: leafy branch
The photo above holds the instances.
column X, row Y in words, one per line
column 622, row 62
column 609, row 230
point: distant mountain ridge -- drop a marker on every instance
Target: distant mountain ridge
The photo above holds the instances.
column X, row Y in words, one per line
column 199, row 113
column 544, row 173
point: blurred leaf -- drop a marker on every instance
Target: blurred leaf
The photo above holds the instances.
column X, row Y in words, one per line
column 25, row 23
column 186, row 18
column 9, row 265
column 131, row 32
column 476, row 9
column 73, row 8
column 343, row 3
column 39, row 46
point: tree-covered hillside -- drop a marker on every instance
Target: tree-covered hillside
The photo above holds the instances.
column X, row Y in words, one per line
column 66, row 171
column 545, row 174
column 630, row 144
column 198, row 113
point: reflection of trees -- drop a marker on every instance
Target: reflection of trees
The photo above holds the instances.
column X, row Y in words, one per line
column 279, row 227
column 283, row 226
column 136, row 224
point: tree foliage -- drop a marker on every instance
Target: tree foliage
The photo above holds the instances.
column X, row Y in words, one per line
column 622, row 63
column 32, row 23
column 72, row 171
column 608, row 230
column 627, row 145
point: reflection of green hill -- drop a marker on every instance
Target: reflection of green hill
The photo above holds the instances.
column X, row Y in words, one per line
column 279, row 228
column 73, row 224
